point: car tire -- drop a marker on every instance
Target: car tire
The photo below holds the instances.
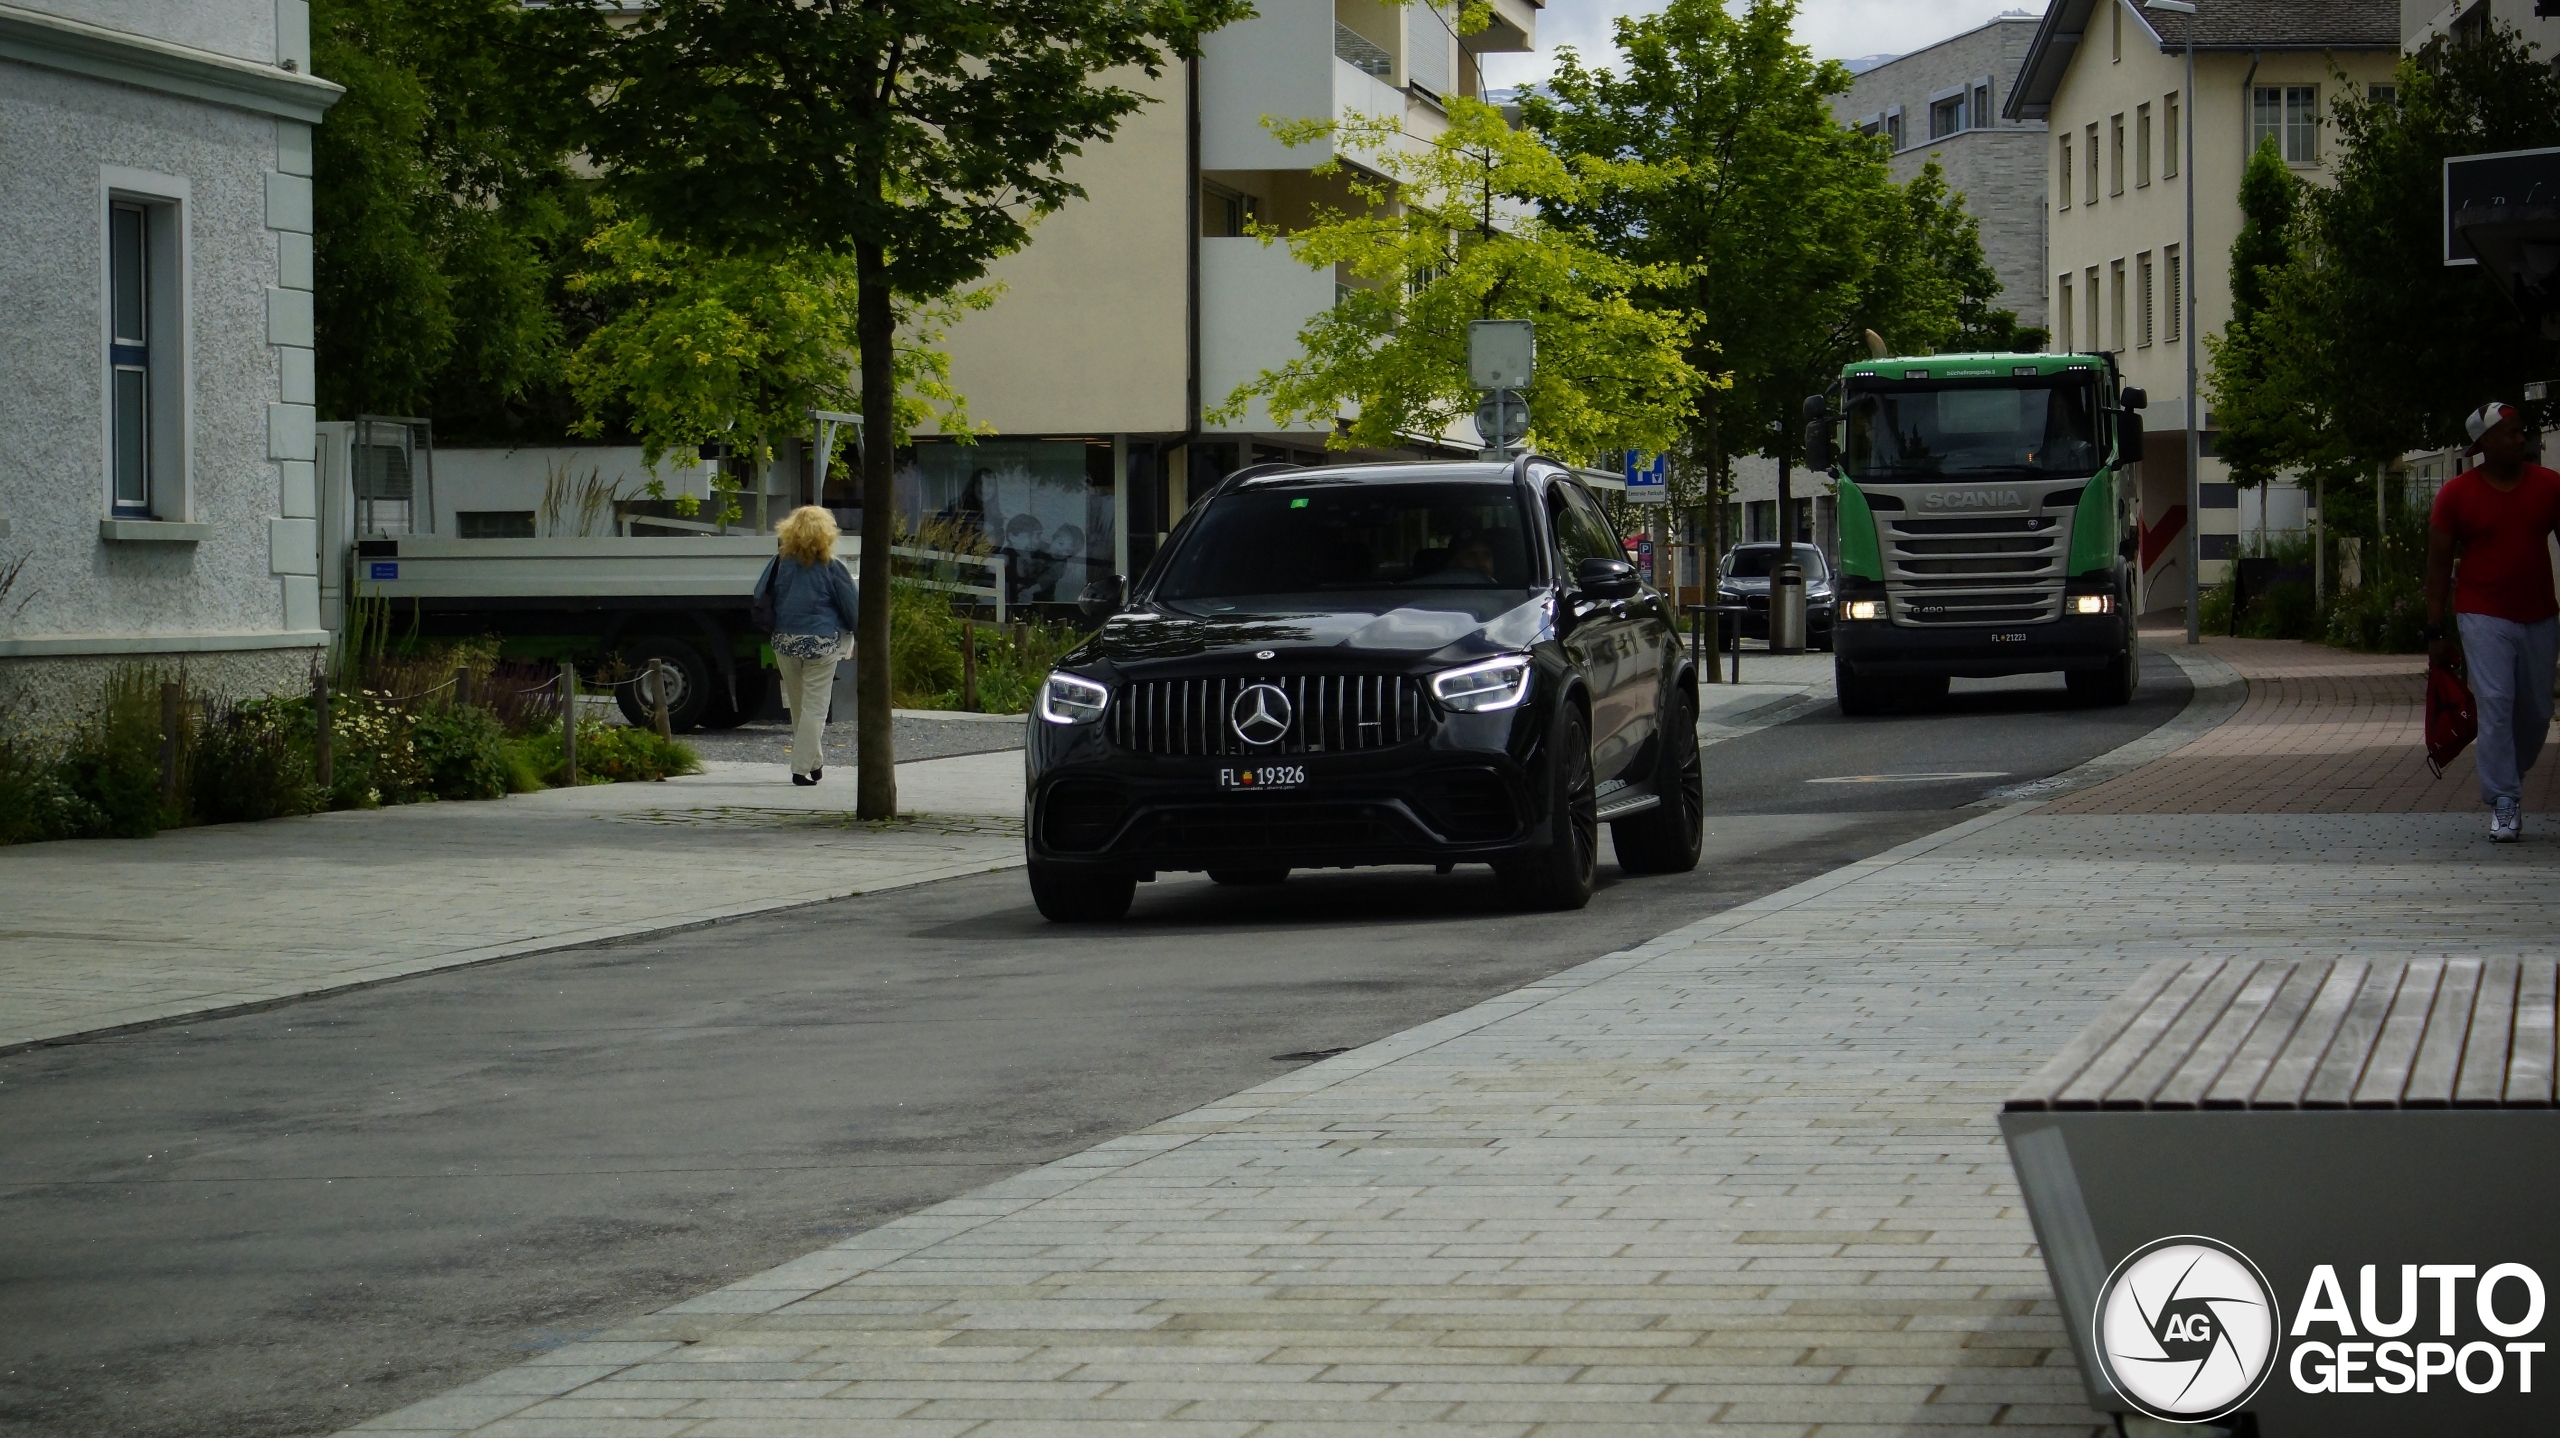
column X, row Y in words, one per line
column 688, row 685
column 1666, row 838
column 1563, row 875
column 1859, row 696
column 1068, row 895
column 1248, row 876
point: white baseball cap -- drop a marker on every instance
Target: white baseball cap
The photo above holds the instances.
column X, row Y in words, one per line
column 2486, row 417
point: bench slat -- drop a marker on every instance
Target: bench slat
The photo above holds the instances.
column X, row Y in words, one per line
column 2040, row 1091
column 2440, row 1044
column 2177, row 1046
column 2138, row 1037
column 2529, row 1066
column 2391, row 1074
column 2231, row 1028
column 2485, row 1050
column 2333, row 1084
column 2289, row 1076
column 2249, row 1067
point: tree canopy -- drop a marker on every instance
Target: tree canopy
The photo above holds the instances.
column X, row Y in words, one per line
column 1451, row 234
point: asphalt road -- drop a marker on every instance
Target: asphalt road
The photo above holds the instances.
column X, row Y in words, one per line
column 285, row 1222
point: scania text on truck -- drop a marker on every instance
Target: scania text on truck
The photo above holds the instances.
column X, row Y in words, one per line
column 1986, row 522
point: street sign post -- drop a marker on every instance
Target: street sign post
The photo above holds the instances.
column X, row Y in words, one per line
column 1647, row 483
column 1502, row 354
column 1502, row 420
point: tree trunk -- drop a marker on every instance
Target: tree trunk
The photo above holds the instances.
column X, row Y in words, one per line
column 875, row 326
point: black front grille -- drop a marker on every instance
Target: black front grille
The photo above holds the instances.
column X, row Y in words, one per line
column 1328, row 714
column 1973, row 526
column 1471, row 805
column 1081, row 814
column 1255, row 827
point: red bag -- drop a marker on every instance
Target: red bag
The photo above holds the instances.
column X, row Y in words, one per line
column 2452, row 721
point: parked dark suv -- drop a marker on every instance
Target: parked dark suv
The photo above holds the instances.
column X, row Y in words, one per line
column 1370, row 664
column 1744, row 580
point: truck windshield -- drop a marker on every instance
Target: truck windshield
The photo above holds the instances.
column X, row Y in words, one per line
column 1336, row 537
column 1915, row 429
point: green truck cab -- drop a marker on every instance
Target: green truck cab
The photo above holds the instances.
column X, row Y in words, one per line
column 1987, row 523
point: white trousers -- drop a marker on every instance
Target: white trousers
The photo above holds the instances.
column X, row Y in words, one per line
column 808, row 685
column 2510, row 665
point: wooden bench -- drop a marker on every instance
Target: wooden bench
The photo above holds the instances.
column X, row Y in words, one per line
column 2311, row 1112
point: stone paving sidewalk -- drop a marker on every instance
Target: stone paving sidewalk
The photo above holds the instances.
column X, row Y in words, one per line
column 102, row 934
column 1745, row 1178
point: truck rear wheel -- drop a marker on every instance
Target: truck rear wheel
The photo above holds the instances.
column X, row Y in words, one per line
column 719, row 713
column 688, row 685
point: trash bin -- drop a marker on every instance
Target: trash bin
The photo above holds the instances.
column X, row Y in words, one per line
column 1786, row 609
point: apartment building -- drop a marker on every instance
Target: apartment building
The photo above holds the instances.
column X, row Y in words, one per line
column 157, row 496
column 2109, row 80
column 1133, row 313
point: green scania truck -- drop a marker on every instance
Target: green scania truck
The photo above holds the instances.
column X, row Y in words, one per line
column 1987, row 523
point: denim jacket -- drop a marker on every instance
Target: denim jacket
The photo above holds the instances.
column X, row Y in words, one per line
column 810, row 598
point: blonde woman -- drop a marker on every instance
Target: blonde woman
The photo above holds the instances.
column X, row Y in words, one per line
column 813, row 603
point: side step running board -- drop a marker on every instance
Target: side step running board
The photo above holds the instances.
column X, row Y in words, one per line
column 1621, row 808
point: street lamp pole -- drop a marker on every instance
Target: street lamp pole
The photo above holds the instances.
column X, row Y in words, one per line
column 2187, row 321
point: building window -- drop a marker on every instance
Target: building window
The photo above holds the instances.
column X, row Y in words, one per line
column 2115, row 155
column 2065, row 310
column 2064, row 189
column 2141, row 146
column 2115, row 31
column 2382, row 94
column 145, row 432
column 1946, row 116
column 1225, row 213
column 2115, row 306
column 2290, row 115
column 2142, row 298
column 1361, row 53
column 2169, row 137
column 1982, row 106
column 2175, row 311
column 1893, row 128
column 2089, row 281
column 2090, row 136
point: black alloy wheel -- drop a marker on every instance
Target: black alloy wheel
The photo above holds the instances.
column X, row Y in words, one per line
column 688, row 684
column 1248, row 876
column 1563, row 875
column 1080, row 896
column 1665, row 839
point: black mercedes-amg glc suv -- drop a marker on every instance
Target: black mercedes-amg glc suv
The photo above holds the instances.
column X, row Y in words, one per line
column 1370, row 664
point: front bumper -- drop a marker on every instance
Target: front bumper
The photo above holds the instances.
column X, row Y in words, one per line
column 1886, row 650
column 1754, row 624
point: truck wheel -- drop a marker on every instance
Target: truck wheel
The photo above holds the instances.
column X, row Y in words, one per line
column 1562, row 875
column 1859, row 696
column 2111, row 686
column 688, row 685
column 1928, row 689
column 1080, row 896
column 1665, row 838
column 719, row 713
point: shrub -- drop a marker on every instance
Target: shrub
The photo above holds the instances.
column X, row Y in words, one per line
column 607, row 754
column 113, row 761
column 2383, row 618
column 462, row 750
column 252, row 762
column 36, row 804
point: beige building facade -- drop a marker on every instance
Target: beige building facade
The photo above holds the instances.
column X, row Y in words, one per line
column 1136, row 311
column 2110, row 80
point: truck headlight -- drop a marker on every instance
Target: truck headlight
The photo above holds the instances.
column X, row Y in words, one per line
column 1072, row 699
column 1863, row 609
column 2093, row 604
column 1482, row 688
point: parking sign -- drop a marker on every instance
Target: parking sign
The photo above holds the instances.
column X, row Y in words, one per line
column 1647, row 483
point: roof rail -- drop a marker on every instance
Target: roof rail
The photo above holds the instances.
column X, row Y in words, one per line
column 1250, row 471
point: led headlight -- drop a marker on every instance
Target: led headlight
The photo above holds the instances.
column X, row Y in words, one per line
column 1481, row 688
column 1072, row 699
column 1863, row 609
column 2093, row 604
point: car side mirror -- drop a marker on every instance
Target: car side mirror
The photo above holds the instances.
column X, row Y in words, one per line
column 1818, row 451
column 2132, row 397
column 1102, row 598
column 2128, row 438
column 1604, row 578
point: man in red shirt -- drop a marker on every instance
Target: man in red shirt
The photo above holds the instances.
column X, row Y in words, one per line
column 2488, row 561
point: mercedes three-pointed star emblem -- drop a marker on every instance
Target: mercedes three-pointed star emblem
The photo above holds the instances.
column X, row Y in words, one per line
column 1260, row 714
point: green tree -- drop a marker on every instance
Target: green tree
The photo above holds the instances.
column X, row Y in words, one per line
column 2264, row 424
column 921, row 137
column 740, row 348
column 1448, row 236
column 444, row 210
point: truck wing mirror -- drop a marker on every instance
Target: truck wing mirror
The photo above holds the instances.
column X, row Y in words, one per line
column 1818, row 451
column 2132, row 396
column 1816, row 406
column 2129, row 437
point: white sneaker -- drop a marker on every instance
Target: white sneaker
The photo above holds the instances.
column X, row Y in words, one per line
column 2506, row 823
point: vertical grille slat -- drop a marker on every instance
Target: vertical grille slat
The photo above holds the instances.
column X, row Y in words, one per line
column 1330, row 714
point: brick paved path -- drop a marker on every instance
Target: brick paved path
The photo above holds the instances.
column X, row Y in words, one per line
column 2324, row 731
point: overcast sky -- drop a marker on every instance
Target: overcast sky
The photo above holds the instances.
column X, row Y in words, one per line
column 1836, row 29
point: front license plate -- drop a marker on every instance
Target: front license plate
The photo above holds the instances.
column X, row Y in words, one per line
column 1268, row 776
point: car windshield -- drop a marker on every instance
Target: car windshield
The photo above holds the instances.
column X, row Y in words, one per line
column 1756, row 561
column 1444, row 542
column 1912, row 429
